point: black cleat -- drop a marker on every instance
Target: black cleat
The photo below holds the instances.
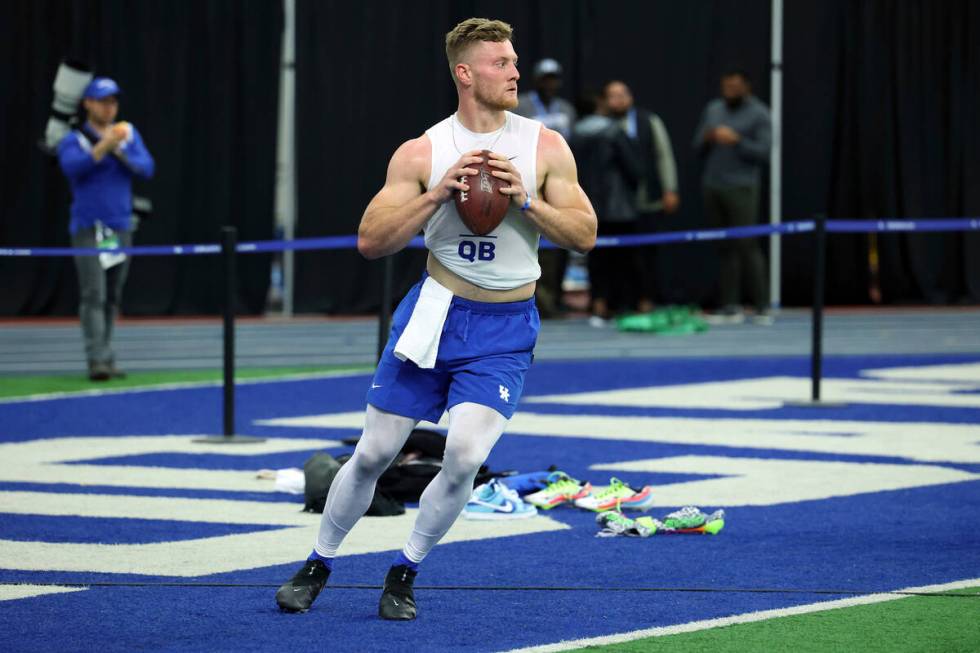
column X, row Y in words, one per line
column 298, row 594
column 398, row 599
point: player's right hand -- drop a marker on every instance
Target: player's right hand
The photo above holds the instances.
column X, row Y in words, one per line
column 450, row 182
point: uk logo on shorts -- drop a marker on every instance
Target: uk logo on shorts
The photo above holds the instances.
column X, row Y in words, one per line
column 504, row 393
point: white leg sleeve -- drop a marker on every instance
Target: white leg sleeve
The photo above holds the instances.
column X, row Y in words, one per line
column 352, row 489
column 473, row 430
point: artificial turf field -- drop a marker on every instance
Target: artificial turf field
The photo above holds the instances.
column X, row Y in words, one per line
column 171, row 547
column 946, row 622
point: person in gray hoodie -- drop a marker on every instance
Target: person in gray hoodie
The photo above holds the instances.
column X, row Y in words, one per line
column 733, row 140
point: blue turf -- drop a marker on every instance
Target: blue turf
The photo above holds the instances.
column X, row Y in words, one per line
column 198, row 410
column 209, row 461
column 70, row 488
column 870, row 542
column 90, row 530
column 203, row 619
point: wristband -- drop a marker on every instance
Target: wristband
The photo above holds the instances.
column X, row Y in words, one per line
column 527, row 201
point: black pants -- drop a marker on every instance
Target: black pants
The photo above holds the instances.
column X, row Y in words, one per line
column 548, row 293
column 741, row 261
column 616, row 273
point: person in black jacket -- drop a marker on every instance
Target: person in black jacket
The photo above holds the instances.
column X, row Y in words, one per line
column 609, row 172
column 657, row 193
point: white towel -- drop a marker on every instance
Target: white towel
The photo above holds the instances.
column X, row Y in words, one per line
column 419, row 341
column 291, row 480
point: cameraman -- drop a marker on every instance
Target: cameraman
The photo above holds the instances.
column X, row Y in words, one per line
column 99, row 159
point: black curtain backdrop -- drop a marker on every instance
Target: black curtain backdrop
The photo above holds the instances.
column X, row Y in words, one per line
column 372, row 75
column 880, row 106
column 868, row 86
column 200, row 81
column 907, row 144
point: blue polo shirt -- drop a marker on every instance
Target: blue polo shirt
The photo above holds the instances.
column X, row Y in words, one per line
column 103, row 191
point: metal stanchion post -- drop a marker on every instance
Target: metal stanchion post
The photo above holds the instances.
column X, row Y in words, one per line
column 816, row 347
column 384, row 313
column 229, row 241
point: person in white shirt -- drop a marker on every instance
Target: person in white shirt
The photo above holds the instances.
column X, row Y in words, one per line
column 462, row 340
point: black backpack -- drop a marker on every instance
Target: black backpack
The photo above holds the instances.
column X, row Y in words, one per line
column 403, row 482
column 320, row 470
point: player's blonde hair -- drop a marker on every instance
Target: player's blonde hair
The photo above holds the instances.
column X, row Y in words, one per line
column 471, row 31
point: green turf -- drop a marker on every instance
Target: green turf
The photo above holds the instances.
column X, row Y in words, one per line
column 946, row 624
column 20, row 386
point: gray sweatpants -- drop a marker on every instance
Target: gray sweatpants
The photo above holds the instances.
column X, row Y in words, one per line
column 100, row 292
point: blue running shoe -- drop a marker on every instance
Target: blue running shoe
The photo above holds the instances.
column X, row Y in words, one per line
column 494, row 500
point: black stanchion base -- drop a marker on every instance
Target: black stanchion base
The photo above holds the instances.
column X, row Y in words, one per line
column 814, row 403
column 229, row 439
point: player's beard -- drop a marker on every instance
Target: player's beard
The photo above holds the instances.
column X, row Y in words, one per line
column 500, row 102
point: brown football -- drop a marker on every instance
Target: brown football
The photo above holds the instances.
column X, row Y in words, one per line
column 483, row 207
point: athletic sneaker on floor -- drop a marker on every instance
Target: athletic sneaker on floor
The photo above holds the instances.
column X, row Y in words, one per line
column 613, row 523
column 561, row 488
column 764, row 318
column 692, row 518
column 728, row 315
column 299, row 592
column 494, row 500
column 617, row 496
column 398, row 598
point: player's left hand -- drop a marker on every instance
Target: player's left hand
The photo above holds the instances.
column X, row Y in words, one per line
column 506, row 170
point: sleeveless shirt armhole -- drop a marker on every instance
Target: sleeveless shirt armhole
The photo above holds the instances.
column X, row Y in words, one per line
column 534, row 164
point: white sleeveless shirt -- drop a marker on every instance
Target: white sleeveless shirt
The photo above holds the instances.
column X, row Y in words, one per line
column 507, row 257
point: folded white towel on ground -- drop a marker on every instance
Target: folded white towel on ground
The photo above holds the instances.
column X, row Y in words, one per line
column 419, row 341
column 291, row 480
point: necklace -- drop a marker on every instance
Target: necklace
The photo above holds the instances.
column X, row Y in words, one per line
column 452, row 131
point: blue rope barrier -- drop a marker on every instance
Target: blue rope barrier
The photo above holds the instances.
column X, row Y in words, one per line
column 350, row 242
column 895, row 225
column 751, row 231
column 261, row 246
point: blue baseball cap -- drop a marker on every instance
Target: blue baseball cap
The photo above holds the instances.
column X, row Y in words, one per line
column 101, row 87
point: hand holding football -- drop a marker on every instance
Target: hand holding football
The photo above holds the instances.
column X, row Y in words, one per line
column 482, row 208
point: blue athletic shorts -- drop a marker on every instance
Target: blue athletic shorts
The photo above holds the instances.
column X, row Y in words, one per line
column 484, row 352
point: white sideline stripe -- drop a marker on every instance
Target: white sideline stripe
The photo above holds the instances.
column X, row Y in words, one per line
column 748, row 617
column 181, row 386
column 772, row 392
column 946, row 442
column 42, row 461
column 112, row 506
column 227, row 553
column 15, row 592
column 953, row 373
column 765, row 482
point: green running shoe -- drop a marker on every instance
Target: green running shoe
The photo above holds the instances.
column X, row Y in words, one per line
column 692, row 520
